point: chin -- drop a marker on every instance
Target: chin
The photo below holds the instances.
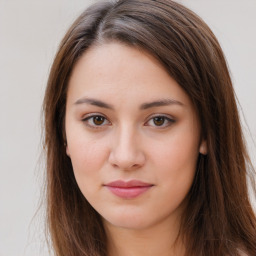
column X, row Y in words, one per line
column 129, row 221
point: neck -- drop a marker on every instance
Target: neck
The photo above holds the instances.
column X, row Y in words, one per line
column 156, row 240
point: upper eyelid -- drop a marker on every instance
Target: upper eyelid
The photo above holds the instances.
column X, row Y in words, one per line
column 170, row 120
column 86, row 119
column 92, row 115
column 161, row 115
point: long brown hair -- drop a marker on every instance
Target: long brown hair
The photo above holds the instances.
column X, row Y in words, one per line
column 219, row 218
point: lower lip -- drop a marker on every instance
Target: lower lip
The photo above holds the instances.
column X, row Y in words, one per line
column 128, row 193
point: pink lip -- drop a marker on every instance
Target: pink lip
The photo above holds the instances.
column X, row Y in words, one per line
column 128, row 189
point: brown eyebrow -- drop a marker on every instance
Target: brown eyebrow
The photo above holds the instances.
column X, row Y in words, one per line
column 94, row 102
column 101, row 104
column 160, row 103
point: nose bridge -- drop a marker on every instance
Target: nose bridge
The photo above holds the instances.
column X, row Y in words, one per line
column 126, row 140
column 126, row 152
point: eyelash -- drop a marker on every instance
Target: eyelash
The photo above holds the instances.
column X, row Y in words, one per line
column 167, row 121
column 91, row 118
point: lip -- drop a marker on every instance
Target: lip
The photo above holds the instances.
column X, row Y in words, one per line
column 128, row 189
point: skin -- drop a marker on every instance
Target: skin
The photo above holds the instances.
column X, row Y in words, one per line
column 127, row 142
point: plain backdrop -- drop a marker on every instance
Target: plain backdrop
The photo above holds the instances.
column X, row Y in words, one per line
column 30, row 31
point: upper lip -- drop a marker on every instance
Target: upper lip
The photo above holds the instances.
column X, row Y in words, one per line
column 128, row 184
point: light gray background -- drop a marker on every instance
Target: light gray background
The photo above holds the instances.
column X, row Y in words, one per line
column 30, row 31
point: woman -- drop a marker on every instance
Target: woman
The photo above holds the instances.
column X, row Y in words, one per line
column 145, row 154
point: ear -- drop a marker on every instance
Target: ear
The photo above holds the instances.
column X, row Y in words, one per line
column 67, row 149
column 203, row 149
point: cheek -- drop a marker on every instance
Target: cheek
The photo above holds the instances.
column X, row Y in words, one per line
column 176, row 152
column 175, row 174
column 87, row 157
column 176, row 160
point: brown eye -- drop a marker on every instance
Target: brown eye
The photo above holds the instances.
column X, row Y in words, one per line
column 98, row 120
column 159, row 120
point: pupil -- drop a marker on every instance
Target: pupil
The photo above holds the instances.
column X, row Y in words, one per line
column 158, row 121
column 98, row 120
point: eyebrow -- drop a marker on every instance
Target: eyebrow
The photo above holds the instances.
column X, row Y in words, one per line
column 94, row 102
column 160, row 103
column 101, row 104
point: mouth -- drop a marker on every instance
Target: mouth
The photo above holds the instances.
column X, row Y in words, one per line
column 128, row 189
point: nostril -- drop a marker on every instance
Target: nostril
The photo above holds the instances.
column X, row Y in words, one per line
column 126, row 152
column 127, row 161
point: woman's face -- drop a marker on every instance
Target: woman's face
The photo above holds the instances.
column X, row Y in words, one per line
column 133, row 136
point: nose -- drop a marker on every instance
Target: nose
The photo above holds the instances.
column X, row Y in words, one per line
column 126, row 151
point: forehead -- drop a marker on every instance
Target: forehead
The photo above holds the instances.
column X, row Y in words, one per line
column 117, row 70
